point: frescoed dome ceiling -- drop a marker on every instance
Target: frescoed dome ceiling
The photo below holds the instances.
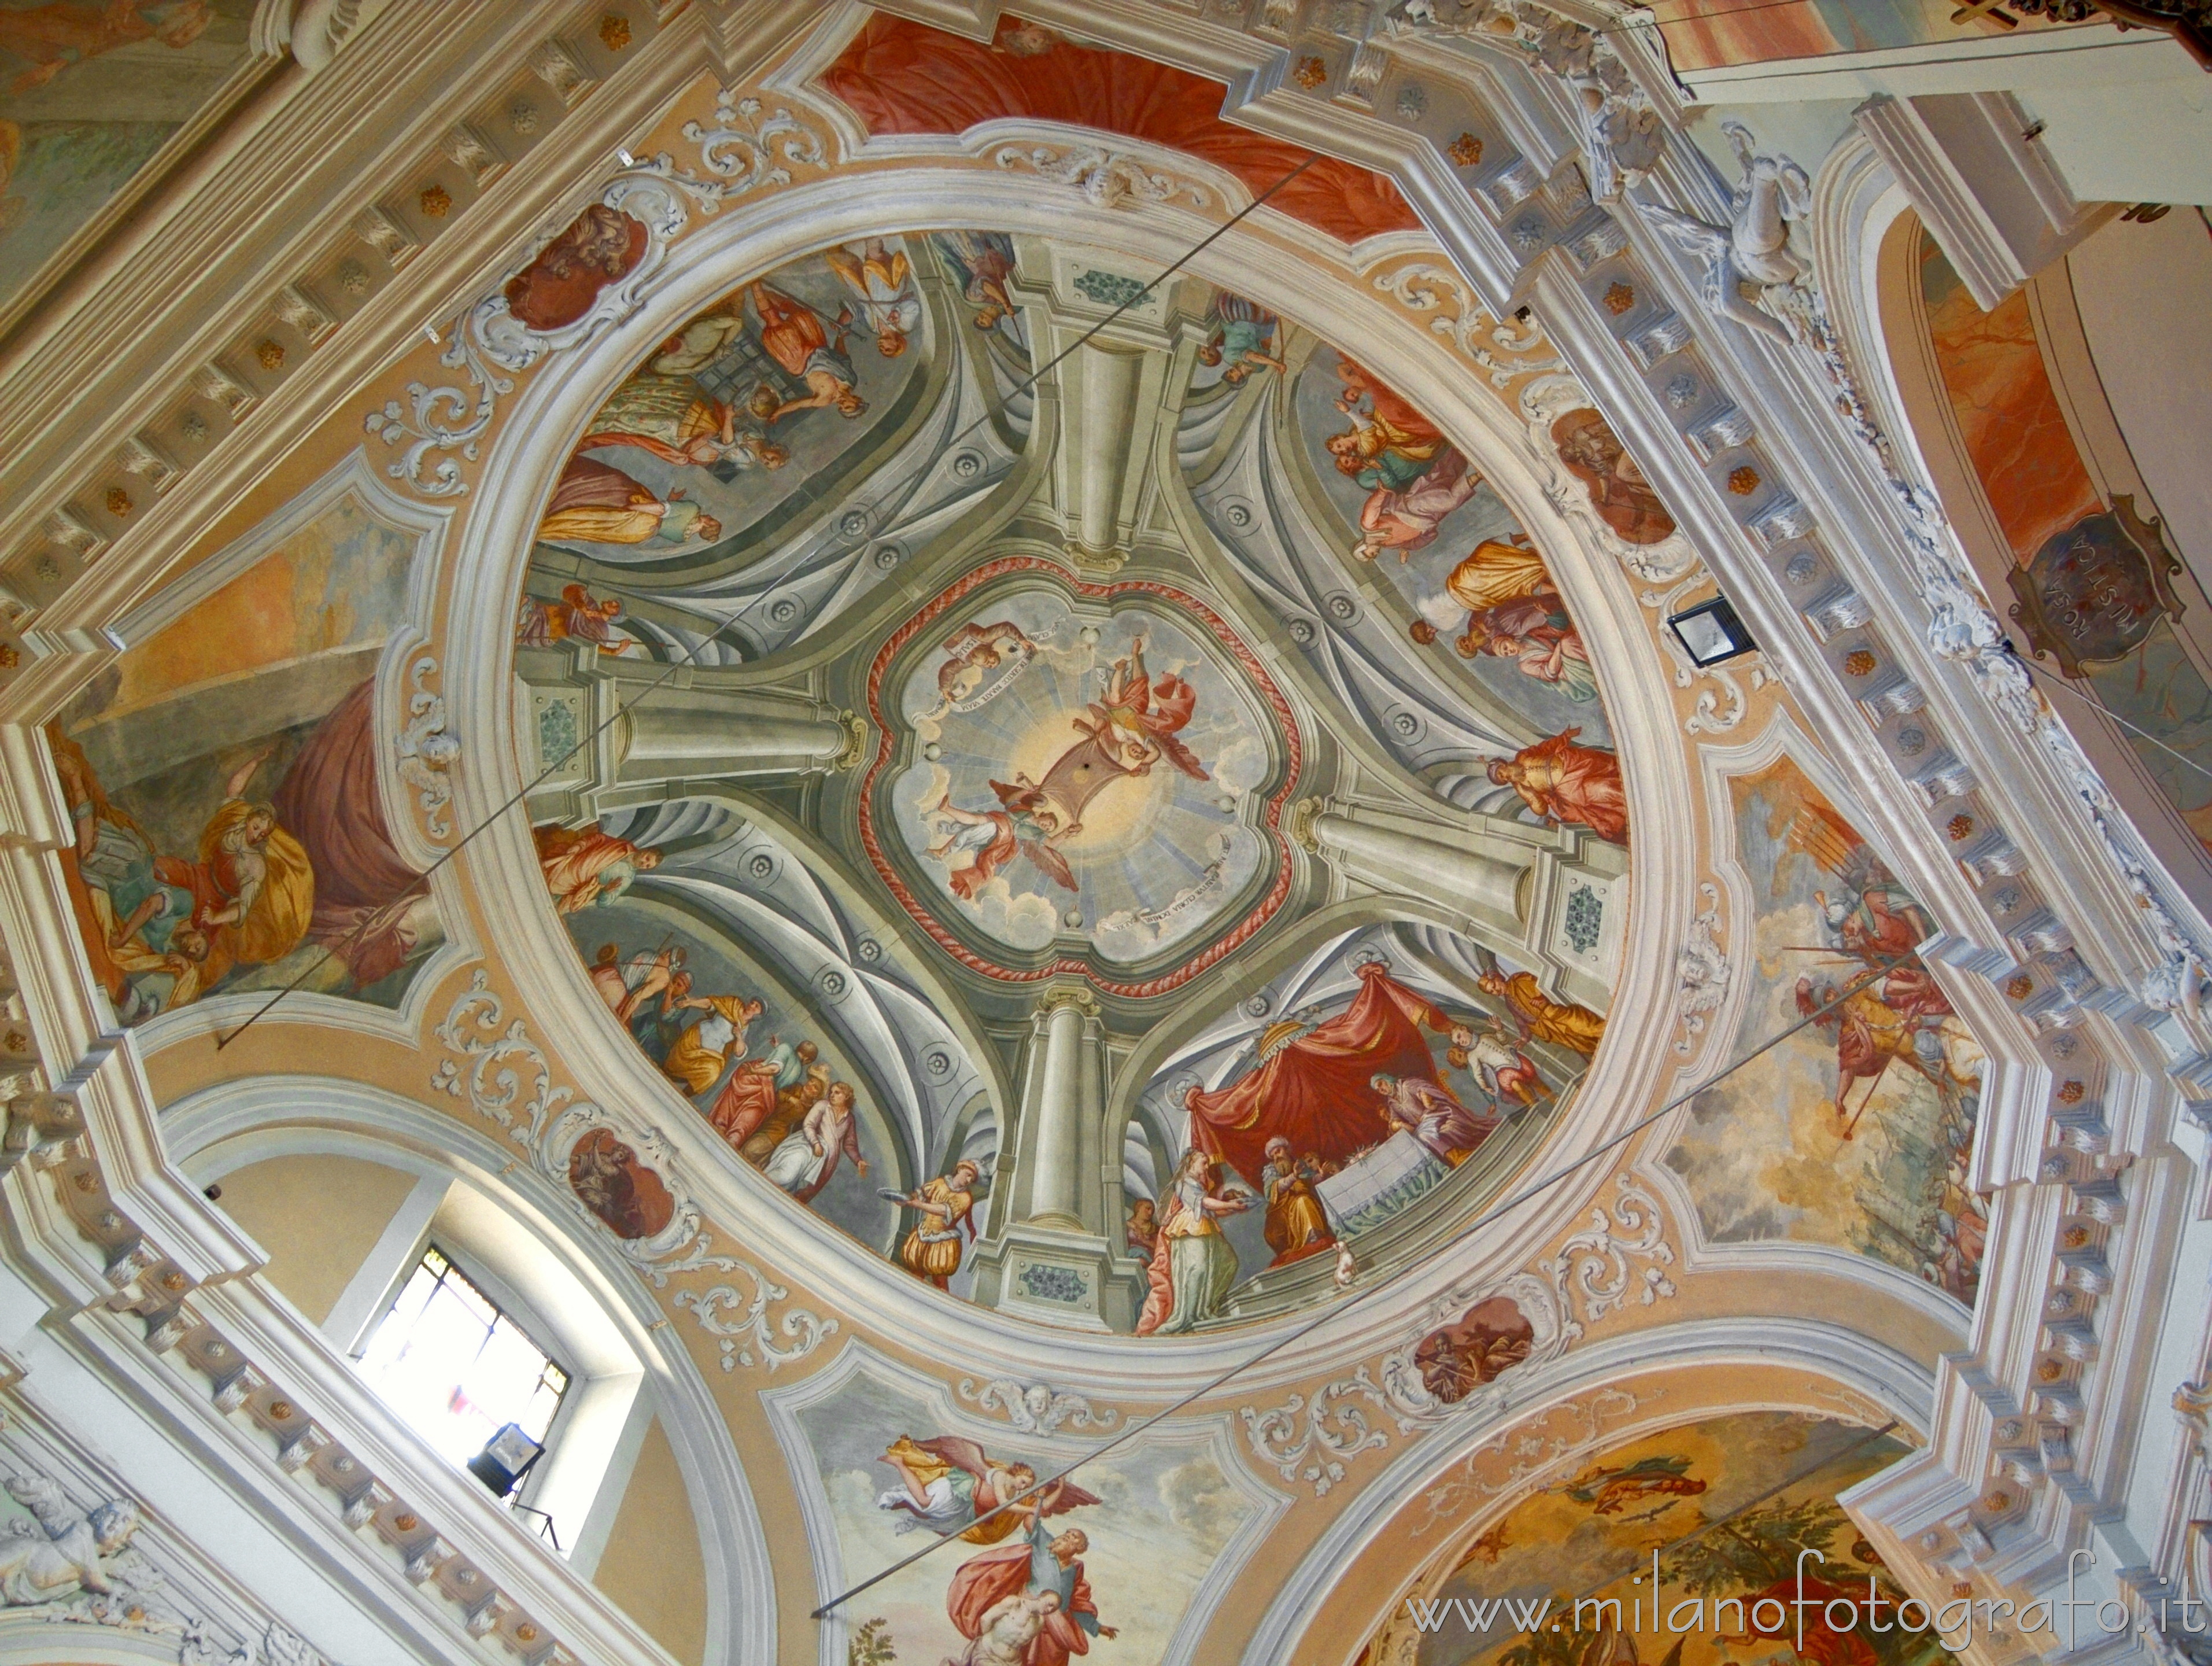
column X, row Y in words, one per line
column 990, row 721
column 1038, row 533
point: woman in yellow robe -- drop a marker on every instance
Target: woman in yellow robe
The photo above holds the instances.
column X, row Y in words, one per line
column 932, row 1249
column 1498, row 571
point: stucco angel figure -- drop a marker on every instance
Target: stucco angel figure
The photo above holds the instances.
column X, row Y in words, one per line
column 65, row 1551
column 950, row 1482
column 1754, row 246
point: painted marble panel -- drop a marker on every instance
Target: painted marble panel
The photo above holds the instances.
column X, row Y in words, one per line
column 1857, row 1131
column 1417, row 509
column 89, row 91
column 1725, row 1505
column 221, row 780
column 1122, row 1566
column 2094, row 578
column 741, row 411
column 901, row 76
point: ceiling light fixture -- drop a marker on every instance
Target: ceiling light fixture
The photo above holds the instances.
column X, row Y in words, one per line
column 1711, row 632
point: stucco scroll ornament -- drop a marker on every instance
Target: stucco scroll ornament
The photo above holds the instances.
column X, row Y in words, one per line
column 1105, row 178
column 1622, row 1252
column 1035, row 1408
column 506, row 1079
column 1701, row 971
column 444, row 418
column 427, row 753
column 1753, row 248
column 742, row 151
column 1505, row 350
column 1313, row 1438
column 745, row 1331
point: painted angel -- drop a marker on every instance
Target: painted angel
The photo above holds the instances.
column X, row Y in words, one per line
column 974, row 653
column 977, row 844
column 948, row 1484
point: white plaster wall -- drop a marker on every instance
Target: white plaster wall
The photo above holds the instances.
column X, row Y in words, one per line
column 2145, row 296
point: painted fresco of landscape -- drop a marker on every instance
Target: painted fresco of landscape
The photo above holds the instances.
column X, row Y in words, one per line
column 89, row 91
column 249, row 846
column 1856, row 1132
column 1727, row 1504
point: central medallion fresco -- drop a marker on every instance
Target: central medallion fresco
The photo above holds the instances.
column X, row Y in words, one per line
column 1080, row 765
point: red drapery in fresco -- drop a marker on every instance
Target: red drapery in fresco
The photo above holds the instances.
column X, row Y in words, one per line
column 904, row 77
column 1315, row 1092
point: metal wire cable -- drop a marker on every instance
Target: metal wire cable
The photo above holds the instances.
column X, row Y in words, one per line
column 1495, row 1212
column 692, row 653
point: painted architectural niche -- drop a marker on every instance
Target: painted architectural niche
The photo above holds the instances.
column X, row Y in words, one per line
column 1059, row 762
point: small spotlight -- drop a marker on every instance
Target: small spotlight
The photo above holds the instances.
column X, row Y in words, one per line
column 506, row 1459
column 628, row 160
column 213, row 1193
column 1711, row 632
column 431, row 330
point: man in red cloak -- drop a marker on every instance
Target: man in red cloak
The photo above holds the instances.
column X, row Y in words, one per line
column 1035, row 1562
column 1563, row 781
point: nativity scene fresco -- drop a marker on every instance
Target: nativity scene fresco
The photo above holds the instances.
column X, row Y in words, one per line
column 1308, row 1131
column 1727, row 1504
column 251, row 846
column 1858, row 1130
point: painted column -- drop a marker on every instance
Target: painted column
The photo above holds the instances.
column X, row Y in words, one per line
column 1390, row 858
column 675, row 742
column 1105, row 425
column 1056, row 1098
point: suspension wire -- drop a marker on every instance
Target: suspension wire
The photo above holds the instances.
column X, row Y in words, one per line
column 1495, row 1212
column 692, row 653
column 2098, row 705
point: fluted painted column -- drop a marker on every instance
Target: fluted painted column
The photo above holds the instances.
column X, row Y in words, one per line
column 1390, row 857
column 1106, row 404
column 1064, row 1052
